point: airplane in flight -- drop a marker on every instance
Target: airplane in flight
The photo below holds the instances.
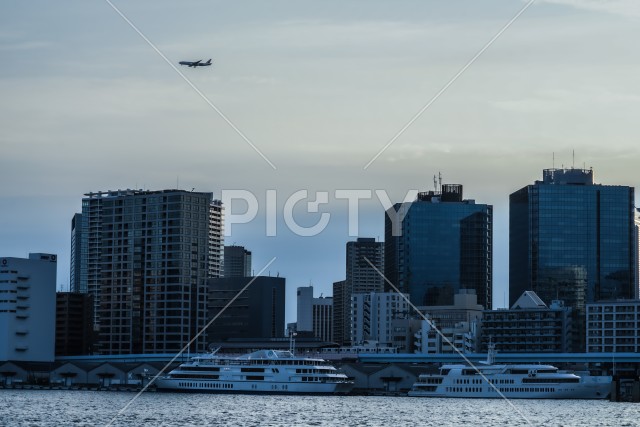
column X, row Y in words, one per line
column 196, row 63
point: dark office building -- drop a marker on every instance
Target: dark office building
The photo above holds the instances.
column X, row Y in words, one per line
column 572, row 240
column 439, row 244
column 256, row 313
column 341, row 314
column 74, row 324
column 237, row 262
column 75, row 271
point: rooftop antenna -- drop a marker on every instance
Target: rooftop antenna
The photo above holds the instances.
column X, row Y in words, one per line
column 440, row 180
column 573, row 153
column 177, row 182
column 435, row 183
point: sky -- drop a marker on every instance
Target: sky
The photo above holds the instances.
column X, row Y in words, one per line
column 86, row 104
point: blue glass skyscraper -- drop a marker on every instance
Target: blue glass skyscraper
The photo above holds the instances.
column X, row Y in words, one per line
column 573, row 240
column 439, row 244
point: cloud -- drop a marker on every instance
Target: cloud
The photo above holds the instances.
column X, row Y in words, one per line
column 564, row 100
column 25, row 45
column 629, row 8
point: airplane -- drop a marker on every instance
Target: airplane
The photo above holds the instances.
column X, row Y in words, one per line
column 196, row 63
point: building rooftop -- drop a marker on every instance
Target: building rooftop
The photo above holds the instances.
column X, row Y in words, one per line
column 130, row 192
column 567, row 176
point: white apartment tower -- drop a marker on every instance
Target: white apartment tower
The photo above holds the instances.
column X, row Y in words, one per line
column 28, row 308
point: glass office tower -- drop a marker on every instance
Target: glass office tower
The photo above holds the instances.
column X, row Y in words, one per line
column 573, row 240
column 440, row 244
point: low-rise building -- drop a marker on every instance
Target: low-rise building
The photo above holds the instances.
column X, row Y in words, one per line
column 245, row 307
column 462, row 337
column 74, row 324
column 613, row 326
column 465, row 308
column 373, row 313
column 529, row 326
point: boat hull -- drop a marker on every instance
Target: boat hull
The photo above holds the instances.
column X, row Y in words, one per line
column 589, row 388
column 250, row 387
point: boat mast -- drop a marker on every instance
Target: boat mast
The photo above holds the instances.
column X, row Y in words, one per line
column 292, row 342
column 491, row 353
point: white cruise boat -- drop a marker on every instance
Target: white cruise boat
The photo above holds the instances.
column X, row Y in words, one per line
column 264, row 371
column 521, row 381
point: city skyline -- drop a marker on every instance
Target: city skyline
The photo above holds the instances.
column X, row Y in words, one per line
column 89, row 106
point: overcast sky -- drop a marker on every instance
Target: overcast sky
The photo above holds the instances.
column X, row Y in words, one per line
column 319, row 87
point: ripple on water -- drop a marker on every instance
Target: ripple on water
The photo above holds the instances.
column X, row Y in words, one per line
column 93, row 408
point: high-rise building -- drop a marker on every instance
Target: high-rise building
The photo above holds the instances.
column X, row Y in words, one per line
column 572, row 240
column 341, row 314
column 74, row 324
column 315, row 315
column 257, row 312
column 304, row 308
column 361, row 277
column 28, row 308
column 636, row 235
column 439, row 244
column 237, row 261
column 147, row 257
column 75, row 271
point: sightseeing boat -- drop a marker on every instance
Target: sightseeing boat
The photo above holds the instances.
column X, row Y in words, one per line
column 263, row 371
column 512, row 381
